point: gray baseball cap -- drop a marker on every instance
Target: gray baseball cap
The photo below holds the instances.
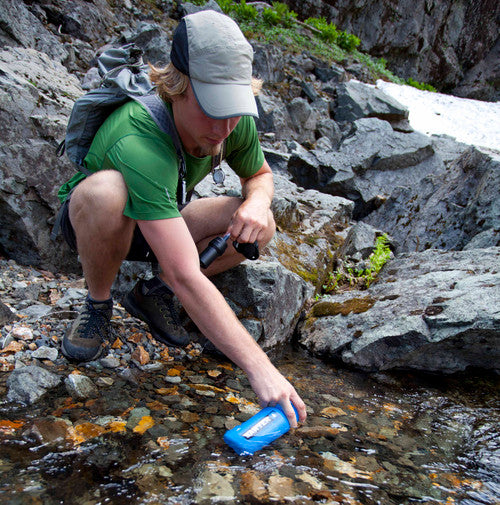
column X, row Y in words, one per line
column 210, row 48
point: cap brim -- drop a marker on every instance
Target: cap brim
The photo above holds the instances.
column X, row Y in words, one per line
column 222, row 101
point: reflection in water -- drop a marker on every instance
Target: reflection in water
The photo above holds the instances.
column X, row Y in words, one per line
column 369, row 439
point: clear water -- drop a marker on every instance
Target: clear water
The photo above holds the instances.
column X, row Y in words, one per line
column 369, row 439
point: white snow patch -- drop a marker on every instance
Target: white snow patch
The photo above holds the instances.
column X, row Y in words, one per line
column 469, row 121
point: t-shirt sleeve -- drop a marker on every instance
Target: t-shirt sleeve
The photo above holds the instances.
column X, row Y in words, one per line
column 150, row 171
column 244, row 153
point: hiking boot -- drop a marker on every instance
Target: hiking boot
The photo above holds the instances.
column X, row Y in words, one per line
column 92, row 326
column 152, row 301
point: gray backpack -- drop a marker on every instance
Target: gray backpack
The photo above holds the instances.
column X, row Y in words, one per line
column 124, row 78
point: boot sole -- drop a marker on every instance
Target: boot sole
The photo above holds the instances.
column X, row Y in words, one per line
column 68, row 355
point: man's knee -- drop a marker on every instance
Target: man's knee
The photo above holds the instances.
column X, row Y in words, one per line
column 100, row 198
column 103, row 193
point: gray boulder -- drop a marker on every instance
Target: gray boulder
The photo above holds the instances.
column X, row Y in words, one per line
column 304, row 119
column 455, row 209
column 369, row 164
column 36, row 96
column 273, row 116
column 356, row 100
column 329, row 74
column 28, row 384
column 267, row 298
column 267, row 63
column 6, row 314
column 433, row 311
column 309, row 226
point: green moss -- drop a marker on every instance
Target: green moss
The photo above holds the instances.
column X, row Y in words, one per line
column 292, row 258
column 354, row 305
column 289, row 256
column 310, row 275
column 311, row 240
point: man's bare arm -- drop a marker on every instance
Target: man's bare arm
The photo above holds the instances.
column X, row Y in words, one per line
column 176, row 252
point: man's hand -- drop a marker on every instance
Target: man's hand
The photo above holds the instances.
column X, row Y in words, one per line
column 272, row 388
column 253, row 216
column 249, row 221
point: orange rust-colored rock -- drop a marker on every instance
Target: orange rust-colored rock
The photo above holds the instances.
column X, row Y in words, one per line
column 140, row 355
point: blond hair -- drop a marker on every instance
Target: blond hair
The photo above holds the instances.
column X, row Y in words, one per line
column 171, row 82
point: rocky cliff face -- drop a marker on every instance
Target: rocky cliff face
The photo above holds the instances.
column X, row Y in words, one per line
column 347, row 166
column 452, row 44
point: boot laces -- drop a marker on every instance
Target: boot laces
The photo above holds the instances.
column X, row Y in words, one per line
column 165, row 301
column 94, row 320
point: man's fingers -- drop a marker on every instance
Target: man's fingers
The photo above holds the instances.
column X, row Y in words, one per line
column 300, row 406
column 290, row 413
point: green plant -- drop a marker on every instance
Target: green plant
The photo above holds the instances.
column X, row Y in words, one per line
column 361, row 277
column 271, row 17
column 287, row 17
column 332, row 282
column 420, row 85
column 348, row 41
column 226, row 5
column 245, row 12
column 328, row 31
column 377, row 259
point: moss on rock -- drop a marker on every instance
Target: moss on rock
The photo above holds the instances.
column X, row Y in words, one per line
column 353, row 305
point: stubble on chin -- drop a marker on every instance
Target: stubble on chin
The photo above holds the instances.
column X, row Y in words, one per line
column 202, row 151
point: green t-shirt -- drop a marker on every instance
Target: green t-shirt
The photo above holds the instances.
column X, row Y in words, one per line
column 130, row 141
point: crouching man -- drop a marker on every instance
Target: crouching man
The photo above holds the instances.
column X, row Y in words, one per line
column 126, row 209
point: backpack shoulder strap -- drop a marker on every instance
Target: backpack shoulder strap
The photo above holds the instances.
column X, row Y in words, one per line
column 162, row 117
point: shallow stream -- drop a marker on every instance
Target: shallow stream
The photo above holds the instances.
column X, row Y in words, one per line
column 156, row 437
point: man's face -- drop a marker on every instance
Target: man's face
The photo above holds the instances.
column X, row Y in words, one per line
column 200, row 135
